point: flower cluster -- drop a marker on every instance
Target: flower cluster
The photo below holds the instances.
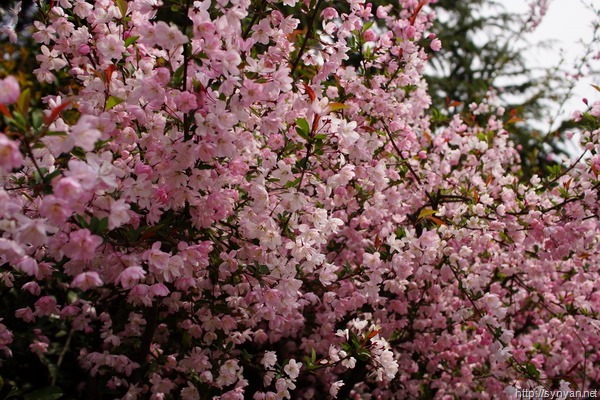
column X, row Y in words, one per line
column 245, row 199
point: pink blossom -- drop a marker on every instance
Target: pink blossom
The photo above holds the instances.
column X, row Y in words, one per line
column 269, row 359
column 55, row 209
column 38, row 347
column 9, row 90
column 111, row 47
column 6, row 336
column 595, row 111
column 10, row 155
column 119, row 214
column 130, row 276
column 87, row 280
column 82, row 245
column 50, row 59
column 233, row 240
column 436, row 45
column 158, row 290
column 10, row 250
column 26, row 314
column 33, row 232
column 46, row 306
column 335, row 388
column 67, row 188
column 292, row 369
column 30, row 266
column 84, row 134
column 32, row 287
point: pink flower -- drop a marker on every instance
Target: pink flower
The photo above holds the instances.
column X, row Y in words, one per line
column 292, row 369
column 84, row 134
column 10, row 155
column 595, row 111
column 30, row 266
column 186, row 102
column 269, row 359
column 82, row 245
column 55, row 209
column 50, row 60
column 159, row 290
column 33, row 232
column 6, row 336
column 9, row 90
column 130, row 276
column 111, row 47
column 118, row 214
column 87, row 280
column 335, row 388
column 38, row 347
column 45, row 306
column 436, row 45
column 10, row 250
column 26, row 314
column 67, row 188
column 32, row 287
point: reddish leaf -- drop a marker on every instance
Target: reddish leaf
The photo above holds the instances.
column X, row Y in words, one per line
column 413, row 17
column 310, row 92
column 52, row 117
column 436, row 220
column 109, row 71
column 372, row 334
column 315, row 124
column 513, row 120
column 4, row 110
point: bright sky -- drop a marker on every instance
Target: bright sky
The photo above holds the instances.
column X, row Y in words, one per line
column 565, row 25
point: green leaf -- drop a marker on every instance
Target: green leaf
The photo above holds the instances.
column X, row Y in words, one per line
column 263, row 269
column 113, row 101
column 532, row 370
column 122, row 5
column 336, row 106
column 56, row 133
column 79, row 153
column 19, row 121
column 426, row 212
column 177, row 78
column 14, row 392
column 81, row 220
column 302, row 128
column 98, row 226
column 367, row 26
column 37, row 119
column 131, row 40
column 23, row 101
column 47, row 393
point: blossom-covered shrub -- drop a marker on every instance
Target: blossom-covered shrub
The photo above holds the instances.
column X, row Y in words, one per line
column 243, row 199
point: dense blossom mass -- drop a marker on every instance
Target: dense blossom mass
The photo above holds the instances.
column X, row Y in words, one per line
column 246, row 200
